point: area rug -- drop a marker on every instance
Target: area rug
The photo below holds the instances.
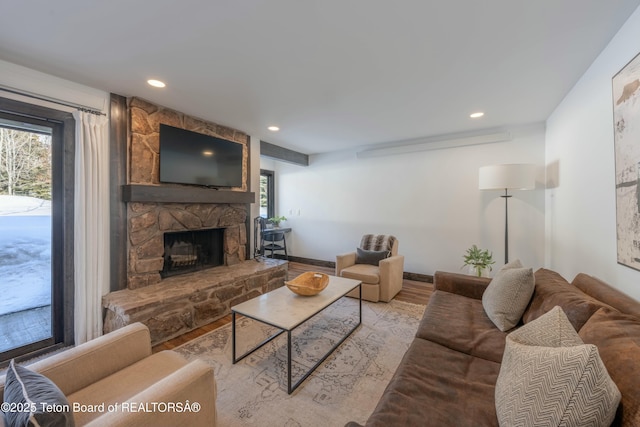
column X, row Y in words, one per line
column 345, row 387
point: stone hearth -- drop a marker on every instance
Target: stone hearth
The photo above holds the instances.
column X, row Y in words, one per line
column 182, row 303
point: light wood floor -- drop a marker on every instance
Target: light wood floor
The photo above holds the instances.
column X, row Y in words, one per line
column 412, row 291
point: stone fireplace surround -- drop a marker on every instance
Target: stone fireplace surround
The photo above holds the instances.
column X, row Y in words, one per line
column 149, row 219
column 175, row 305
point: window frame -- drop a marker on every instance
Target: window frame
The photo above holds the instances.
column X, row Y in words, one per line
column 271, row 192
column 62, row 125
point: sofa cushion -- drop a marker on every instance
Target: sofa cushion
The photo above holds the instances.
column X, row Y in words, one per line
column 366, row 273
column 364, row 256
column 617, row 336
column 549, row 377
column 460, row 323
column 461, row 284
column 553, row 290
column 430, row 385
column 125, row 383
column 606, row 294
column 508, row 295
column 30, row 390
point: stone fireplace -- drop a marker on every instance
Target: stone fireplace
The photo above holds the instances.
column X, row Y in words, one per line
column 170, row 304
column 150, row 218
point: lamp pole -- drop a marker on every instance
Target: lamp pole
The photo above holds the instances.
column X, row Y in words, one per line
column 515, row 176
column 506, row 226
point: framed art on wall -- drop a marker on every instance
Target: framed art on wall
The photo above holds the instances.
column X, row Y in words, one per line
column 626, row 116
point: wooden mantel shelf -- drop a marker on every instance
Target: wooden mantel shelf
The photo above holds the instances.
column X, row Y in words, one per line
column 171, row 194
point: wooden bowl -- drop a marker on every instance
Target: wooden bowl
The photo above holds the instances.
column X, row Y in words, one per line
column 308, row 284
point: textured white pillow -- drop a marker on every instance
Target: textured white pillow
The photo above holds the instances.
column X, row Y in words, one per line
column 549, row 377
column 508, row 294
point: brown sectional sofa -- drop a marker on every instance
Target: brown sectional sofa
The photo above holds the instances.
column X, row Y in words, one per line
column 448, row 375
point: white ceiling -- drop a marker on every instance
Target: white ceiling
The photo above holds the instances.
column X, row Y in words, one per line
column 333, row 74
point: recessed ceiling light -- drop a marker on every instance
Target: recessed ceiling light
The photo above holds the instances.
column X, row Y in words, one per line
column 476, row 115
column 273, row 128
column 156, row 83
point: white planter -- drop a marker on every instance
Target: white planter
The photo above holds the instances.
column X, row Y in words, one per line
column 473, row 270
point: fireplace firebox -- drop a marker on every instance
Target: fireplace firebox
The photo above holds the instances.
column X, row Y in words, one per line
column 187, row 251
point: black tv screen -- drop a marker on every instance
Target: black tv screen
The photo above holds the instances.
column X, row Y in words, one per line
column 193, row 158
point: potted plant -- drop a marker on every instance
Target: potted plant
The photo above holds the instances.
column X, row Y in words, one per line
column 478, row 260
column 276, row 220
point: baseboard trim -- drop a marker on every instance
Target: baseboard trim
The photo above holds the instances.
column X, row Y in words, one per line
column 310, row 261
column 418, row 277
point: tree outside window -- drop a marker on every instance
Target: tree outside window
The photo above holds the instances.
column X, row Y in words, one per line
column 25, row 163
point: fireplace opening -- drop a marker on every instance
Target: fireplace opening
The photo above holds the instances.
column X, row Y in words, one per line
column 188, row 251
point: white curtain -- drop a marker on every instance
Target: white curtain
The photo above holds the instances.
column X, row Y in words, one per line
column 91, row 241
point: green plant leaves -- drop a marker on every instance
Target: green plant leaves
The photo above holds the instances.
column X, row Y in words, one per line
column 477, row 257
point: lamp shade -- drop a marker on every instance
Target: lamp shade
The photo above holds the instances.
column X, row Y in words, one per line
column 521, row 176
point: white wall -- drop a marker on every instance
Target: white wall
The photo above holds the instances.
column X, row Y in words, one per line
column 25, row 80
column 581, row 210
column 429, row 200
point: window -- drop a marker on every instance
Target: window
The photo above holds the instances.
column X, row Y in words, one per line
column 267, row 194
column 36, row 228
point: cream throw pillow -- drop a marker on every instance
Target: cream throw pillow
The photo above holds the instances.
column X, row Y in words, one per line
column 548, row 377
column 507, row 296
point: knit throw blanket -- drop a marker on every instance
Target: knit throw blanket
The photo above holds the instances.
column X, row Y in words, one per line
column 377, row 242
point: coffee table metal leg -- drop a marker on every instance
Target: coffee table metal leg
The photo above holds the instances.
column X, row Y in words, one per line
column 233, row 335
column 289, row 389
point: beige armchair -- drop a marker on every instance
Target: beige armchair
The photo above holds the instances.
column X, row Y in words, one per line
column 119, row 371
column 379, row 272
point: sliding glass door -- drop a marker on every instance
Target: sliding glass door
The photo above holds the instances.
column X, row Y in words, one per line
column 34, row 299
column 25, row 234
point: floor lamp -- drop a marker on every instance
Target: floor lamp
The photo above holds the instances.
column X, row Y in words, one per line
column 507, row 177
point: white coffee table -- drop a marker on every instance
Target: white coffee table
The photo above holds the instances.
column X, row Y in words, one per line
column 284, row 310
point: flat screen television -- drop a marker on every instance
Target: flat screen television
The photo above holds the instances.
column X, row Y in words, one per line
column 188, row 157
